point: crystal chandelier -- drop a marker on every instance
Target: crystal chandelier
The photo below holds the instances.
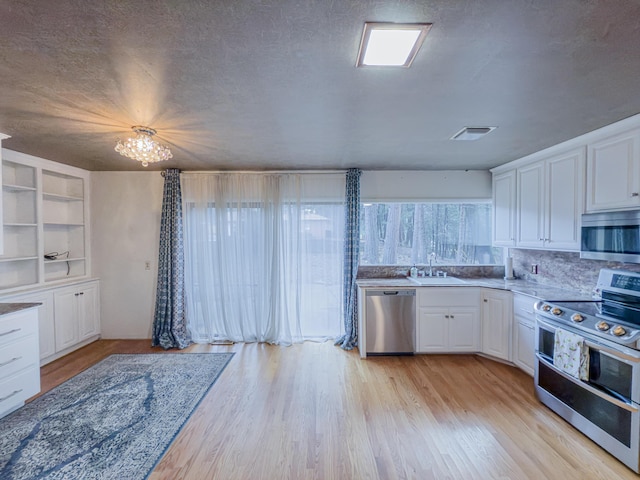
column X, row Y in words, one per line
column 143, row 147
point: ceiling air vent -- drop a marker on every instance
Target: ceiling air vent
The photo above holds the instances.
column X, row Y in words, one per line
column 472, row 133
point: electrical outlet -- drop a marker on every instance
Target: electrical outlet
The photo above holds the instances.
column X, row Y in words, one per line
column 147, row 265
column 534, row 268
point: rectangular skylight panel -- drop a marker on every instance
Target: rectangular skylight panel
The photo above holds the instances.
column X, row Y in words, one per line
column 390, row 47
column 390, row 44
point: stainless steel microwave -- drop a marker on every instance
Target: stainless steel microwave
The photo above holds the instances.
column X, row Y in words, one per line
column 613, row 236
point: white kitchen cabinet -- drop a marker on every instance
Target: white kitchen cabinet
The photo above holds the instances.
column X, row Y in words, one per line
column 550, row 202
column 46, row 323
column 524, row 332
column 76, row 314
column 504, row 209
column 448, row 320
column 497, row 314
column 530, row 205
column 66, row 321
column 613, row 172
column 19, row 366
column 45, row 213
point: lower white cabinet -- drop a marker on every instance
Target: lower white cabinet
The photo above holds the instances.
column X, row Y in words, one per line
column 497, row 308
column 46, row 326
column 448, row 320
column 69, row 317
column 524, row 333
column 76, row 314
column 19, row 363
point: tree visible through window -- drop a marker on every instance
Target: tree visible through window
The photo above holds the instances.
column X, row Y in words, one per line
column 409, row 233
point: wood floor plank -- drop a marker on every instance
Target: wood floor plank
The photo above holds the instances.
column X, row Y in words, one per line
column 314, row 411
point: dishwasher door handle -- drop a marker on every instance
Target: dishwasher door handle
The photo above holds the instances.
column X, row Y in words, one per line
column 391, row 293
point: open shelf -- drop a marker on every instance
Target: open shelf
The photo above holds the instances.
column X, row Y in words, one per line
column 17, row 175
column 17, row 188
column 43, row 211
column 18, row 272
column 61, row 198
column 55, row 184
column 55, row 270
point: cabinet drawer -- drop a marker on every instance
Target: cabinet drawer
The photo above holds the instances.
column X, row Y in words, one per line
column 18, row 324
column 16, row 389
column 523, row 305
column 18, row 355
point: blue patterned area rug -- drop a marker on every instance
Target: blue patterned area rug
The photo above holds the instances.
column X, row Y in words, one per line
column 112, row 421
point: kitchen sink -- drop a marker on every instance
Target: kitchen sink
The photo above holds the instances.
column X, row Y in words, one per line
column 437, row 281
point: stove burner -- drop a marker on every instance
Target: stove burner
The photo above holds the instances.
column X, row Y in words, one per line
column 577, row 317
column 618, row 331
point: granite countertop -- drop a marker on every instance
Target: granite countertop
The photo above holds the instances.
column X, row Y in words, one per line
column 542, row 292
column 6, row 308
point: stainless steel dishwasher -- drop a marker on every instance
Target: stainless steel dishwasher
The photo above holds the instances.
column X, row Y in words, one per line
column 390, row 321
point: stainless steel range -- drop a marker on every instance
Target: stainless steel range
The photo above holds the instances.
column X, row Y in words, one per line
column 588, row 363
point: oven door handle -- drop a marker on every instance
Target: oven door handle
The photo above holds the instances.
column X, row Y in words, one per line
column 617, row 354
column 586, row 386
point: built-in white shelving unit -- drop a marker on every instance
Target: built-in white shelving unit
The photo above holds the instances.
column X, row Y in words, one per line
column 45, row 222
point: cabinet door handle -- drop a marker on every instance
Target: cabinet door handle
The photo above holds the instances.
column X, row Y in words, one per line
column 81, row 293
column 15, row 392
column 446, row 316
column 485, row 300
column 634, row 194
column 452, row 316
column 10, row 332
column 14, row 359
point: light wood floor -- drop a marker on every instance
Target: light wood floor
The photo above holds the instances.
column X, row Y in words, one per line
column 314, row 411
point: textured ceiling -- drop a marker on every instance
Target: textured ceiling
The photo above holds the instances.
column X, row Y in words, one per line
column 239, row 84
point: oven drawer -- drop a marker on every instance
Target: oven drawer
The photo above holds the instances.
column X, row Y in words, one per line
column 609, row 422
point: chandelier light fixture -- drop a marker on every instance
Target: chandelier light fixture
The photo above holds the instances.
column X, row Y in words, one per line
column 143, row 147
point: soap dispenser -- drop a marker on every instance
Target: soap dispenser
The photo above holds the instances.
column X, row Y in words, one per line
column 413, row 272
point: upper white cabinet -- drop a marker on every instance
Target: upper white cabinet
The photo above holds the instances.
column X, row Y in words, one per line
column 550, row 202
column 613, row 172
column 530, row 206
column 504, row 209
column 45, row 222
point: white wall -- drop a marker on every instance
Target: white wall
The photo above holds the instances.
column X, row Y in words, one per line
column 125, row 222
column 399, row 185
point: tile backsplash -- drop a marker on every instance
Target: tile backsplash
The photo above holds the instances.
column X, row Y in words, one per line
column 562, row 268
column 554, row 269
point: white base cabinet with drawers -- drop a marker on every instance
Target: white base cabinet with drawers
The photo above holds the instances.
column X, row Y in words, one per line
column 448, row 320
column 19, row 363
column 524, row 332
column 69, row 317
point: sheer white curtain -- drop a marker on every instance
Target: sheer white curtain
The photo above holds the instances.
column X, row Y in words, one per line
column 263, row 256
